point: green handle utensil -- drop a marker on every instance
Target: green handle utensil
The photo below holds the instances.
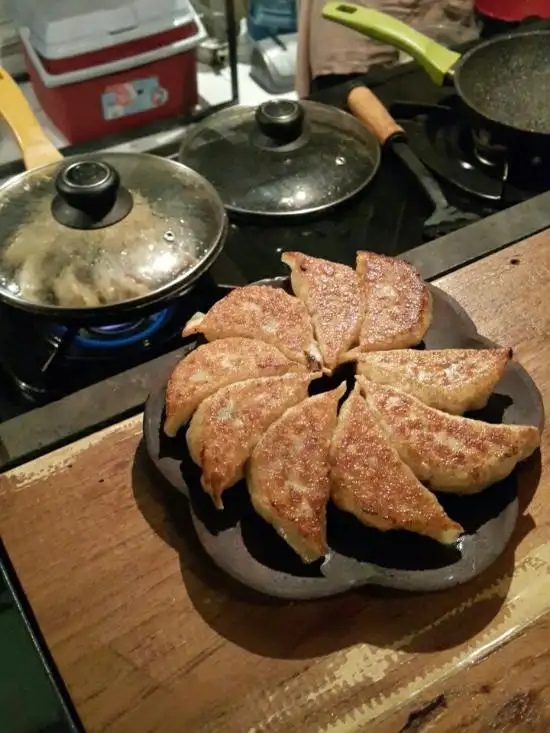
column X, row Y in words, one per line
column 436, row 60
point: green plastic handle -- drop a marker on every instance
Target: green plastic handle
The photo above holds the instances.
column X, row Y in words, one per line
column 436, row 60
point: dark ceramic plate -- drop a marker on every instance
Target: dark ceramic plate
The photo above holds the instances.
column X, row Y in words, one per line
column 248, row 549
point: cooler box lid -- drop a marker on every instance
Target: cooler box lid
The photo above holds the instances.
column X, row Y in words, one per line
column 61, row 29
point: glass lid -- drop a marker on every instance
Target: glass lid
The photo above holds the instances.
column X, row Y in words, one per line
column 283, row 157
column 100, row 231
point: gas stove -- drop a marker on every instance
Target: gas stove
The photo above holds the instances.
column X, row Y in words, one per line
column 54, row 381
column 490, row 172
column 56, row 359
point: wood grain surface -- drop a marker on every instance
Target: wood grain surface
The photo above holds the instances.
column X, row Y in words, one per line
column 150, row 638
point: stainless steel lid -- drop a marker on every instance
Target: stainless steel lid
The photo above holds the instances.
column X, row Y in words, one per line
column 95, row 232
column 283, row 157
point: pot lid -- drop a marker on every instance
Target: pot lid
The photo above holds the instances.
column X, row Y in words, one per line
column 94, row 232
column 283, row 157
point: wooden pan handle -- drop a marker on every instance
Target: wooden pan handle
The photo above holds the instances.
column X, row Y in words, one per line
column 371, row 112
column 36, row 148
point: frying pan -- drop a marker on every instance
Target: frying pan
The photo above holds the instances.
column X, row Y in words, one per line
column 504, row 82
column 94, row 237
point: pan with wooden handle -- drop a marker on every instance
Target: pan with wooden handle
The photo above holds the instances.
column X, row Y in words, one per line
column 369, row 110
column 503, row 82
column 36, row 148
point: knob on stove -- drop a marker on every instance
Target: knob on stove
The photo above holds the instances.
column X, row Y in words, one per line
column 282, row 120
column 89, row 195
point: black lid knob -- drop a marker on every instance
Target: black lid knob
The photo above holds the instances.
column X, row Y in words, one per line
column 282, row 120
column 87, row 180
column 89, row 195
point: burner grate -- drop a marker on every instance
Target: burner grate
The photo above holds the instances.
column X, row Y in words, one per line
column 471, row 157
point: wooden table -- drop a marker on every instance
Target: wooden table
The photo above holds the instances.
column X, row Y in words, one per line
column 150, row 638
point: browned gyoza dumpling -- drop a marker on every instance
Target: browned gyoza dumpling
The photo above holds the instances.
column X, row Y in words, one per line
column 333, row 296
column 452, row 380
column 228, row 424
column 211, row 366
column 288, row 473
column 369, row 479
column 398, row 304
column 264, row 313
column 448, row 452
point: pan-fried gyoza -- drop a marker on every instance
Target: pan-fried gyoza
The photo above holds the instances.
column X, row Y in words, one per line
column 214, row 365
column 227, row 426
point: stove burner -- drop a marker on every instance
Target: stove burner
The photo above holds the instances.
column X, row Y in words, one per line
column 488, row 151
column 59, row 359
column 120, row 335
column 56, row 359
column 471, row 158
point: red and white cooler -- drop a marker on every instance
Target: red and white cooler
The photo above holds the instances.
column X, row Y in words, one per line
column 103, row 67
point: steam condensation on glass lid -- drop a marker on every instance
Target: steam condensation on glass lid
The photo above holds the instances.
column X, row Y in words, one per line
column 96, row 267
column 176, row 222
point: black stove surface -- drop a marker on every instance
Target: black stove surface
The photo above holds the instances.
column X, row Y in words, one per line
column 388, row 215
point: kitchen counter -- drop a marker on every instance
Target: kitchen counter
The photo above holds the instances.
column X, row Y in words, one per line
column 149, row 637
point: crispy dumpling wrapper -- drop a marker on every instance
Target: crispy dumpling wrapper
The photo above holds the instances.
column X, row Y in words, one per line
column 452, row 380
column 288, row 473
column 398, row 304
column 333, row 297
column 263, row 313
column 214, row 365
column 448, row 452
column 227, row 425
column 369, row 479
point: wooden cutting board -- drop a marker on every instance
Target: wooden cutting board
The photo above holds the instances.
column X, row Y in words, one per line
column 150, row 638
